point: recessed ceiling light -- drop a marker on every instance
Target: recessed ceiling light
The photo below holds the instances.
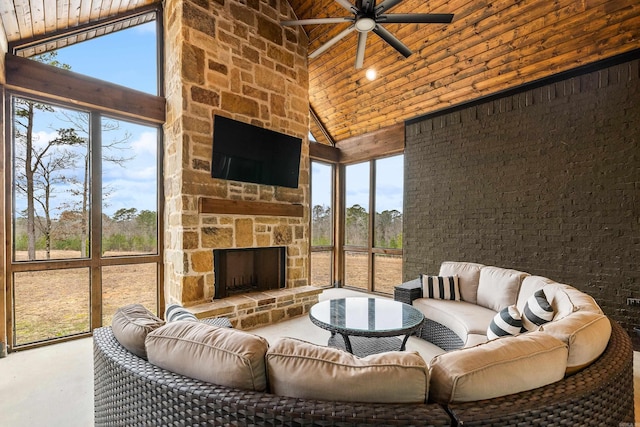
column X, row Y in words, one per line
column 371, row 74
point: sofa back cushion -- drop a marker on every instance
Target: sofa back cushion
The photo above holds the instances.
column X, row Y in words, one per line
column 556, row 293
column 222, row 356
column 303, row 370
column 131, row 324
column 497, row 368
column 468, row 276
column 498, row 287
column 586, row 333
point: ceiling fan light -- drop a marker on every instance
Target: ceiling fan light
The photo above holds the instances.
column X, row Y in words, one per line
column 365, row 25
column 371, row 74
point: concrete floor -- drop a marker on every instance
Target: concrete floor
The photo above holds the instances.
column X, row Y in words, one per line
column 53, row 385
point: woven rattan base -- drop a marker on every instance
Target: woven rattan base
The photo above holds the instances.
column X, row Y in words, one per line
column 364, row 346
column 130, row 391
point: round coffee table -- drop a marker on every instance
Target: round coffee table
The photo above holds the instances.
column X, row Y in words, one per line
column 366, row 317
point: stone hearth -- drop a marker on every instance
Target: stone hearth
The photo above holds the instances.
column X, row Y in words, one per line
column 256, row 309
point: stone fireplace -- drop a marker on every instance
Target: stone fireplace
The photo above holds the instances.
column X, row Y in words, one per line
column 232, row 59
column 239, row 271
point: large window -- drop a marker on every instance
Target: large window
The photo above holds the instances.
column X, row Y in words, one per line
column 84, row 202
column 322, row 227
column 372, row 249
column 85, row 189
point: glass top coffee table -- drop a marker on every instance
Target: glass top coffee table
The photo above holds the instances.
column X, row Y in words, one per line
column 366, row 317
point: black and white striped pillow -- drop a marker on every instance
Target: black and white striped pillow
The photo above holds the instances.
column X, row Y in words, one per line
column 175, row 312
column 537, row 311
column 440, row 287
column 507, row 322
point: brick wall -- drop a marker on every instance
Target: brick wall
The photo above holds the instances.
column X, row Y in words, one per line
column 231, row 58
column 546, row 181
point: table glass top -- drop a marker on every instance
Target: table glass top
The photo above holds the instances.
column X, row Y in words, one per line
column 366, row 314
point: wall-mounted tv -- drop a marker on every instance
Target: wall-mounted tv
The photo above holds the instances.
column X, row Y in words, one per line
column 248, row 153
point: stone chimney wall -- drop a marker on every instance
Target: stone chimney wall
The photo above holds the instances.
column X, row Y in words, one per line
column 229, row 58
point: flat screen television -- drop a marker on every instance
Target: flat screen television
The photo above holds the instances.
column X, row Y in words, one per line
column 248, row 153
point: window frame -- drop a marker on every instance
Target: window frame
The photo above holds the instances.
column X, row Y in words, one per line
column 44, row 83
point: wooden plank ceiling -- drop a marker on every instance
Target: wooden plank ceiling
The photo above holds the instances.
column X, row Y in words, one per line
column 490, row 46
column 31, row 20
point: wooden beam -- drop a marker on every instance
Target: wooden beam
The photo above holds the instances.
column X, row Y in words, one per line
column 324, row 152
column 45, row 80
column 209, row 205
column 380, row 143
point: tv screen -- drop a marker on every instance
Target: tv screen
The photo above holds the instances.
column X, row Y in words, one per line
column 248, row 153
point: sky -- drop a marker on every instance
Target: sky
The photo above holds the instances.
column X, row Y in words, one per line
column 128, row 58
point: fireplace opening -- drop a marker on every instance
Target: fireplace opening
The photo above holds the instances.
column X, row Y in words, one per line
column 238, row 271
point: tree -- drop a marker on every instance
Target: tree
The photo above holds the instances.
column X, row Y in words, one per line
column 321, row 225
column 80, row 125
column 32, row 155
column 357, row 225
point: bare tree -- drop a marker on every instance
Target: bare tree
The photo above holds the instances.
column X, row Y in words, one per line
column 112, row 151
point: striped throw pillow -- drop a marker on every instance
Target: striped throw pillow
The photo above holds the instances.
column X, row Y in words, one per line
column 537, row 311
column 175, row 312
column 507, row 322
column 440, row 287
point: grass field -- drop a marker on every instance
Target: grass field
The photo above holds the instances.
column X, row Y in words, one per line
column 55, row 303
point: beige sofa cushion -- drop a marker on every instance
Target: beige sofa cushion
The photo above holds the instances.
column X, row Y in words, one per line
column 303, row 370
column 497, row 368
column 586, row 333
column 499, row 287
column 462, row 317
column 222, row 356
column 131, row 324
column 468, row 276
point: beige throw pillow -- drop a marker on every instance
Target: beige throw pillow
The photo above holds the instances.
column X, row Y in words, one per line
column 303, row 370
column 131, row 324
column 223, row 356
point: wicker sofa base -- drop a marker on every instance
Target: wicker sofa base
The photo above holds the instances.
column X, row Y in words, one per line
column 130, row 391
column 599, row 395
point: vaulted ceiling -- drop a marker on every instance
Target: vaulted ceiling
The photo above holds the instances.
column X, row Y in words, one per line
column 490, row 46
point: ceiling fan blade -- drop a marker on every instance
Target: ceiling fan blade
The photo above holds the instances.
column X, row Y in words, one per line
column 392, row 40
column 368, row 5
column 415, row 18
column 317, row 21
column 362, row 44
column 331, row 42
column 386, row 5
column 347, row 5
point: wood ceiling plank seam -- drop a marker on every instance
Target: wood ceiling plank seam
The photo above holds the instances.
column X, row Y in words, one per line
column 62, row 15
column 37, row 16
column 560, row 38
column 23, row 15
column 85, row 11
column 74, row 13
column 107, row 9
column 9, row 20
column 50, row 16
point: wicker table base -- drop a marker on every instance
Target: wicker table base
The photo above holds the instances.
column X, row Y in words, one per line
column 365, row 346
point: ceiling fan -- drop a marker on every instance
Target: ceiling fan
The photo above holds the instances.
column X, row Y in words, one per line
column 367, row 17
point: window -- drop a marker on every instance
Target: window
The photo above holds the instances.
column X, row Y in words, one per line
column 85, row 232
column 372, row 252
column 321, row 224
column 68, row 220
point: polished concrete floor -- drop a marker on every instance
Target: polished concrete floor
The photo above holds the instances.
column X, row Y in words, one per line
column 53, row 385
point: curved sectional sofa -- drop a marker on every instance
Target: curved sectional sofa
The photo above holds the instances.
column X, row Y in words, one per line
column 590, row 384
